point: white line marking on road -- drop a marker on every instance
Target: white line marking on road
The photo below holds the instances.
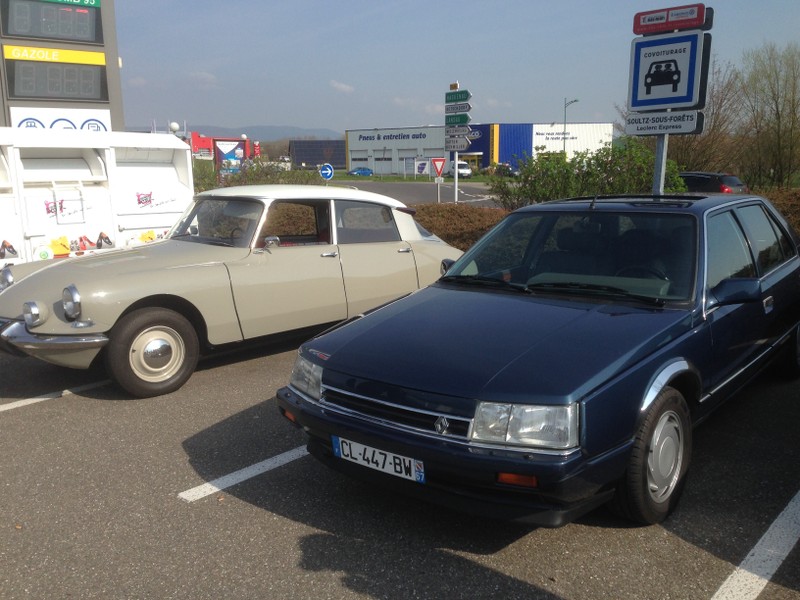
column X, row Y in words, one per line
column 758, row 567
column 226, row 481
column 51, row 396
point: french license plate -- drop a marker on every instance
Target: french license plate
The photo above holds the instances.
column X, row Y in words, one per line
column 379, row 460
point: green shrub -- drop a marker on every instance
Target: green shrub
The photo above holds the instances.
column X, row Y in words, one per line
column 625, row 167
column 459, row 225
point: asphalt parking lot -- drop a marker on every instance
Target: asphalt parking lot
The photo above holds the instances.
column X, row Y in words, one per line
column 207, row 493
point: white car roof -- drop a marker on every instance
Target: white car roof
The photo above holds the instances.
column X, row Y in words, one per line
column 299, row 192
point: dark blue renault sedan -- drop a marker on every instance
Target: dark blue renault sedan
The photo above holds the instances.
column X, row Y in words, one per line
column 562, row 362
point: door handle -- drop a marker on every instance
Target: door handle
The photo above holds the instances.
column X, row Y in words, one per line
column 404, row 250
column 769, row 304
column 329, row 254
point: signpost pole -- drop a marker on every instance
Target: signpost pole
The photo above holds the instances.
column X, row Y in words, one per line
column 662, row 142
column 456, row 121
column 455, row 177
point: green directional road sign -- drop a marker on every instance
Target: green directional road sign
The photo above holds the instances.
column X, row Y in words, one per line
column 460, row 119
column 458, row 96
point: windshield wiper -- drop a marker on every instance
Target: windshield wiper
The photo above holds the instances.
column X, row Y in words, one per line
column 574, row 286
column 486, row 281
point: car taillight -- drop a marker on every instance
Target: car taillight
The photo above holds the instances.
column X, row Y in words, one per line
column 725, row 189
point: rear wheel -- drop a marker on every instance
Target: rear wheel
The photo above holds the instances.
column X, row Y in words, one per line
column 152, row 351
column 659, row 461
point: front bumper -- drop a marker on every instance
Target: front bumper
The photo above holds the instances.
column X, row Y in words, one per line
column 462, row 477
column 75, row 351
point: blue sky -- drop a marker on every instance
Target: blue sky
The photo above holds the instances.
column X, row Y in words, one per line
column 355, row 64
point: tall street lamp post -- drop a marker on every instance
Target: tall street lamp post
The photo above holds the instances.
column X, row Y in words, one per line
column 566, row 104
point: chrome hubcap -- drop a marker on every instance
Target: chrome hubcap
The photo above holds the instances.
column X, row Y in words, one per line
column 157, row 354
column 665, row 458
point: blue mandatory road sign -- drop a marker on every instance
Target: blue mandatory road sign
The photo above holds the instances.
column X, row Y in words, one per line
column 326, row 171
column 668, row 71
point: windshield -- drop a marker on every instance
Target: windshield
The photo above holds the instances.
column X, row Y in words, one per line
column 637, row 255
column 219, row 221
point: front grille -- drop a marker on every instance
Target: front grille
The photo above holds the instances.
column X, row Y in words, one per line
column 430, row 422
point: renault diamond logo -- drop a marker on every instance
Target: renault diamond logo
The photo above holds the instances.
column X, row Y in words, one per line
column 441, row 425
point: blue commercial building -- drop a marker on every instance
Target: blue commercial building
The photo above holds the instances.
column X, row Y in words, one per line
column 399, row 150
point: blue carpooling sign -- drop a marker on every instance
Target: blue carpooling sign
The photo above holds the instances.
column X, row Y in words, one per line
column 326, row 171
column 668, row 71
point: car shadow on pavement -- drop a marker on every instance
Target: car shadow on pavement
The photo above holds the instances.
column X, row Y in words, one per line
column 414, row 547
column 746, row 465
column 745, row 470
column 24, row 377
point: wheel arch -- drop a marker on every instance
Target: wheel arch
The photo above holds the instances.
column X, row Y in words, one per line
column 680, row 375
column 180, row 305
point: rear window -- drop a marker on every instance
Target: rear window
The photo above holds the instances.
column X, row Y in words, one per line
column 363, row 222
column 732, row 180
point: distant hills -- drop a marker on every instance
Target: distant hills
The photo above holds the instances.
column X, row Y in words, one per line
column 268, row 133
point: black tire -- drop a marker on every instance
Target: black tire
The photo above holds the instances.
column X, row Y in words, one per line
column 173, row 351
column 659, row 461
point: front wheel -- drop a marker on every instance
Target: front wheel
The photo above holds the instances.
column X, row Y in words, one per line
column 152, row 351
column 659, row 461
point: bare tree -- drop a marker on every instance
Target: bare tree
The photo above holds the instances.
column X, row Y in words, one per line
column 715, row 149
column 769, row 132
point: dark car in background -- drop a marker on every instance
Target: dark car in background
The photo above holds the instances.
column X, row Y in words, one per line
column 562, row 362
column 713, row 183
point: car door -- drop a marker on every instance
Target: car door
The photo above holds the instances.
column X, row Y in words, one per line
column 737, row 330
column 778, row 268
column 295, row 279
column 377, row 265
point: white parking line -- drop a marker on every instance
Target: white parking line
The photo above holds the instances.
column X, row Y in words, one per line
column 51, row 396
column 226, row 481
column 758, row 567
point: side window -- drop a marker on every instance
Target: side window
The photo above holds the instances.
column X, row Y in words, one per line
column 298, row 223
column 769, row 243
column 728, row 255
column 363, row 222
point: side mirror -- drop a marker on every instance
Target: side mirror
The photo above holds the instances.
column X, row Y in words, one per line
column 445, row 266
column 735, row 291
column 272, row 240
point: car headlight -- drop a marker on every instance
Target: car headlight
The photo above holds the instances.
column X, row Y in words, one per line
column 34, row 313
column 71, row 301
column 6, row 278
column 307, row 377
column 551, row 427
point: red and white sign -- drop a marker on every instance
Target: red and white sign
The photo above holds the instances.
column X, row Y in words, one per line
column 691, row 16
column 438, row 165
